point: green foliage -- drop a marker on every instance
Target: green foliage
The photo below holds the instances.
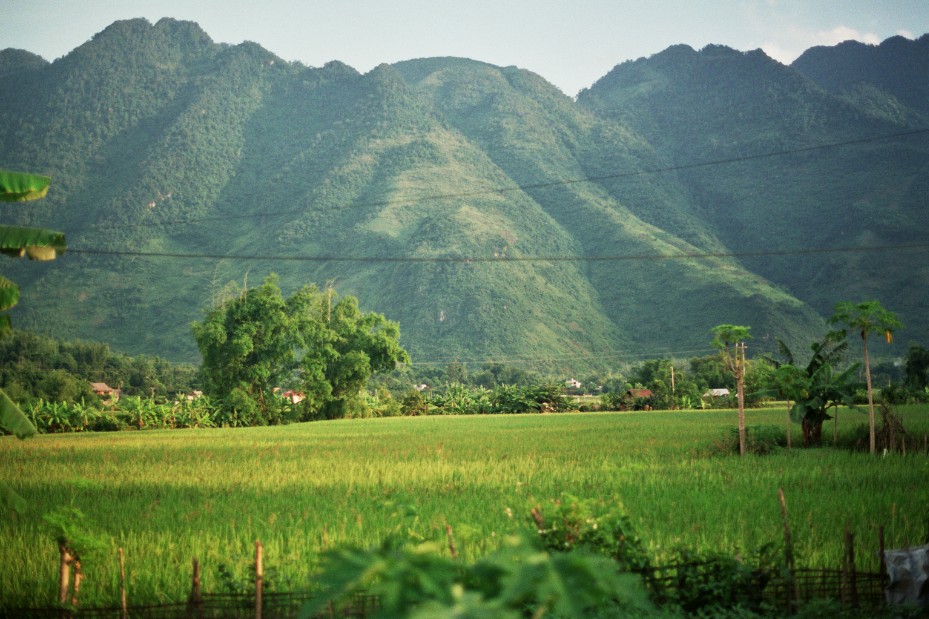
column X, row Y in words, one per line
column 258, row 341
column 817, row 387
column 917, row 367
column 538, row 398
column 761, row 440
column 71, row 528
column 37, row 367
column 520, row 579
column 22, row 187
column 866, row 318
column 17, row 241
column 711, row 584
column 594, row 526
column 414, row 403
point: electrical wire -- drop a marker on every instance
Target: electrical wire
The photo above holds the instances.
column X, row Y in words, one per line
column 548, row 184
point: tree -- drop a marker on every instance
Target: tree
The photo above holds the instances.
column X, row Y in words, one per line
column 867, row 317
column 917, row 368
column 730, row 340
column 37, row 244
column 258, row 341
column 817, row 387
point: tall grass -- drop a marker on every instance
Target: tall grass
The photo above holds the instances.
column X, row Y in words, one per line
column 167, row 496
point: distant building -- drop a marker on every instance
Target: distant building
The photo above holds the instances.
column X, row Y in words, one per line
column 639, row 393
column 716, row 393
column 105, row 391
column 572, row 383
column 295, row 397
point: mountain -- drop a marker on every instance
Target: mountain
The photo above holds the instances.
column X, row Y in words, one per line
column 492, row 216
column 776, row 164
column 898, row 68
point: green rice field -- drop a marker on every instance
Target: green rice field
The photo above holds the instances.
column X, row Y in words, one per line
column 168, row 496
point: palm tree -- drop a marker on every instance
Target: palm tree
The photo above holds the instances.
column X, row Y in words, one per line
column 867, row 317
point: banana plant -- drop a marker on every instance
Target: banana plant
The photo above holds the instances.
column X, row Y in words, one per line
column 36, row 244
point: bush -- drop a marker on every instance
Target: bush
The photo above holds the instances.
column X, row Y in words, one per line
column 592, row 526
column 759, row 440
column 414, row 403
column 895, row 393
column 714, row 584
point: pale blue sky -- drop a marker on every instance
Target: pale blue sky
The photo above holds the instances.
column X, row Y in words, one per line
column 571, row 43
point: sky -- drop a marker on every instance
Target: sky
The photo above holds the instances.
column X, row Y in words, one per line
column 570, row 43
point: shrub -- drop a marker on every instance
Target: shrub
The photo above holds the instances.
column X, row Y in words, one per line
column 593, row 526
column 759, row 440
column 414, row 403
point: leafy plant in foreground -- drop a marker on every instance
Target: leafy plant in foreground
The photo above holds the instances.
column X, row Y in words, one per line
column 519, row 580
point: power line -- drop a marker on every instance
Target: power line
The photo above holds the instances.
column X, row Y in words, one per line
column 551, row 184
column 501, row 259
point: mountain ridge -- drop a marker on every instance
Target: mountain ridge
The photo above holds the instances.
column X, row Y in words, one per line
column 494, row 217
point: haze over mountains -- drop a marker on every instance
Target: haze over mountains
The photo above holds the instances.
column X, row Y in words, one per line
column 491, row 215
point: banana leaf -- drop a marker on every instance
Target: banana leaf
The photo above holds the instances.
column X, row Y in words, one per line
column 36, row 243
column 10, row 500
column 20, row 186
column 13, row 419
column 9, row 293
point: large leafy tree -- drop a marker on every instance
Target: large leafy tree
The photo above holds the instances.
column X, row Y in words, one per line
column 37, row 244
column 326, row 347
column 730, row 340
column 866, row 318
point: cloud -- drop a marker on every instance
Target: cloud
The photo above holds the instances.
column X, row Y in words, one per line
column 796, row 41
column 844, row 33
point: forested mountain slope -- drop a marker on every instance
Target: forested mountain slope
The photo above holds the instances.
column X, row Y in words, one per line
column 775, row 164
column 493, row 217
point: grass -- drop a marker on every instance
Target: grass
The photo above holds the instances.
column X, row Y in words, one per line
column 167, row 496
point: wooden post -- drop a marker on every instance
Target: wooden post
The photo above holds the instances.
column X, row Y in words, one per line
column 881, row 549
column 259, row 579
column 123, row 608
column 78, row 577
column 850, row 562
column 789, row 428
column 64, row 574
column 195, row 598
column 451, row 541
column 791, row 585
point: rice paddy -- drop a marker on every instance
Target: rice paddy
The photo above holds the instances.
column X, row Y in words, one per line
column 168, row 496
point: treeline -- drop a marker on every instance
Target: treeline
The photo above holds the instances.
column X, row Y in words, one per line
column 51, row 381
column 35, row 367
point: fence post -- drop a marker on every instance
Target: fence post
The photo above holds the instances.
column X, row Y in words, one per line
column 881, row 549
column 78, row 577
column 64, row 574
column 195, row 599
column 851, row 578
column 259, row 579
column 123, row 609
column 790, row 584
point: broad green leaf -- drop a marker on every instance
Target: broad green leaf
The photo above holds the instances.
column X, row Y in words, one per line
column 13, row 419
column 37, row 243
column 9, row 293
column 5, row 325
column 20, row 186
column 9, row 500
